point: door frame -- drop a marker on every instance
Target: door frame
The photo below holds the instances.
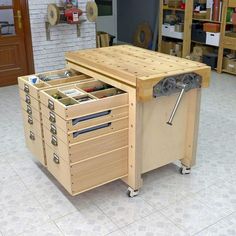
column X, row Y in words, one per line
column 24, row 4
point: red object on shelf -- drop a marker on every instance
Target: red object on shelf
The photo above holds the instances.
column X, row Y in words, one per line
column 216, row 10
column 183, row 5
column 234, row 18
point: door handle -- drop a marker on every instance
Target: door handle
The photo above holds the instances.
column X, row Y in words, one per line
column 19, row 19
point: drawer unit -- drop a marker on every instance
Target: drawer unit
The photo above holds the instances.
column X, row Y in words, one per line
column 88, row 174
column 82, row 99
column 35, row 144
column 33, row 124
column 87, row 148
column 82, row 122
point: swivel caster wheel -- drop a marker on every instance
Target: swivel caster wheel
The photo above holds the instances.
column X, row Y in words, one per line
column 132, row 193
column 185, row 170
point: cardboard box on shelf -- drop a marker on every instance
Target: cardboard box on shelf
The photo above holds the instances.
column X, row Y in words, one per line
column 229, row 64
column 200, row 50
column 174, row 3
column 211, row 27
column 194, row 57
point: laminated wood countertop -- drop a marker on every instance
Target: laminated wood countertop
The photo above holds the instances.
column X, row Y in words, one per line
column 136, row 67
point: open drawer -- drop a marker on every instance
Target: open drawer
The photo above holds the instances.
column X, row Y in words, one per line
column 81, row 122
column 48, row 80
column 82, row 99
column 88, row 148
column 88, row 174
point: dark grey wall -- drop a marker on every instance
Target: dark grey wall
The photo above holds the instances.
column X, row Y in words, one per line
column 130, row 13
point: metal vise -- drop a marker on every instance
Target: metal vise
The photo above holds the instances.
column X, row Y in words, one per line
column 178, row 84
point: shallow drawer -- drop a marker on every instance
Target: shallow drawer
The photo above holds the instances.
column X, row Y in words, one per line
column 31, row 110
column 33, row 89
column 89, row 148
column 88, row 174
column 29, row 100
column 87, row 133
column 33, row 124
column 35, row 144
column 83, row 121
column 70, row 102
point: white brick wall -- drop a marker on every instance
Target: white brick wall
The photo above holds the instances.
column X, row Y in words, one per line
column 49, row 55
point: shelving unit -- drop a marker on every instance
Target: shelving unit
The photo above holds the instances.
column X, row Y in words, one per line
column 226, row 42
column 187, row 26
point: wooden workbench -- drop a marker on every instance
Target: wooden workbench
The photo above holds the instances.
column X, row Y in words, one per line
column 152, row 143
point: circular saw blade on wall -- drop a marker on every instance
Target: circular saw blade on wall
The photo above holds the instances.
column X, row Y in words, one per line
column 91, row 11
column 53, row 14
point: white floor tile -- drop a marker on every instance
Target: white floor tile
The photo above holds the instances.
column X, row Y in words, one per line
column 90, row 221
column 155, row 225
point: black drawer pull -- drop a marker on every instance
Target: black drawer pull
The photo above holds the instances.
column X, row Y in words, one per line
column 56, row 159
column 76, row 134
column 52, row 117
column 32, row 136
column 30, row 120
column 89, row 117
column 29, row 110
column 53, row 129
column 27, row 99
column 50, row 105
column 26, row 88
column 54, row 141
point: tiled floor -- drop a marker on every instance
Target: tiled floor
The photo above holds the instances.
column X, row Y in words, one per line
column 204, row 203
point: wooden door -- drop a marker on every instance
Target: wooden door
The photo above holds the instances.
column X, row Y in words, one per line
column 15, row 41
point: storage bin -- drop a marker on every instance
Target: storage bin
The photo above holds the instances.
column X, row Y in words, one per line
column 211, row 27
column 210, row 59
column 169, row 31
column 199, row 35
column 229, row 64
column 213, row 39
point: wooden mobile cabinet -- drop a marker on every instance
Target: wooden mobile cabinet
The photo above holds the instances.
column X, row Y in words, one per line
column 113, row 124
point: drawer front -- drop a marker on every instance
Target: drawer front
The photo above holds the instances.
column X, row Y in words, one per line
column 83, row 122
column 98, row 130
column 33, row 124
column 35, row 144
column 31, row 110
column 29, row 100
column 59, row 168
column 78, row 110
column 100, row 170
column 87, row 149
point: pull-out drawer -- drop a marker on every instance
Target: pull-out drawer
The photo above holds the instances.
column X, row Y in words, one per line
column 83, row 122
column 31, row 110
column 88, row 148
column 33, row 124
column 83, row 99
column 84, row 134
column 48, row 80
column 29, row 100
column 35, row 144
column 88, row 174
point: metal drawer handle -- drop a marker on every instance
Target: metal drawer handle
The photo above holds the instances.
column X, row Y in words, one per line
column 53, row 129
column 84, row 131
column 27, row 99
column 54, row 141
column 52, row 117
column 89, row 117
column 26, row 88
column 29, row 110
column 32, row 136
column 56, row 159
column 50, row 105
column 30, row 120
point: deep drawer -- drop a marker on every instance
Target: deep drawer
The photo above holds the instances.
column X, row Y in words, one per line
column 89, row 148
column 82, row 122
column 88, row 174
column 29, row 100
column 35, row 144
